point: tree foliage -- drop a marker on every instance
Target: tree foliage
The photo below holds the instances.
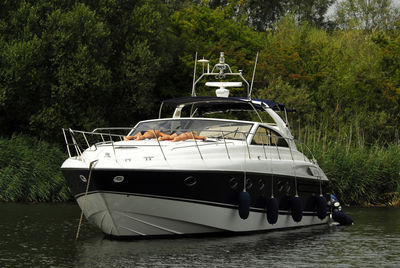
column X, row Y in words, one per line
column 343, row 76
column 264, row 15
column 210, row 31
column 366, row 14
column 81, row 65
column 109, row 62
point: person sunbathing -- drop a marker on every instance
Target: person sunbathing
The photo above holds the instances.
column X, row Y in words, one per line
column 168, row 137
column 161, row 136
column 182, row 137
column 149, row 134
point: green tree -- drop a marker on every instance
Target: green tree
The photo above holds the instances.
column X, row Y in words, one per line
column 142, row 55
column 264, row 15
column 21, row 71
column 339, row 74
column 209, row 32
column 82, row 65
column 366, row 14
column 312, row 11
column 53, row 68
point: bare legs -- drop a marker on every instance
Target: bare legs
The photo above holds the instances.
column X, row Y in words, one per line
column 182, row 137
column 149, row 134
column 188, row 135
column 161, row 136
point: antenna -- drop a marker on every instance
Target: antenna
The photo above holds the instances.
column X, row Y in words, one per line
column 218, row 71
column 194, row 76
column 221, row 66
column 254, row 73
column 204, row 61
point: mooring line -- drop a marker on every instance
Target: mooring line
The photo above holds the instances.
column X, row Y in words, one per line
column 84, row 198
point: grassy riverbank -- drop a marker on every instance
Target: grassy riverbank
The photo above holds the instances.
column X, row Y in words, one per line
column 30, row 172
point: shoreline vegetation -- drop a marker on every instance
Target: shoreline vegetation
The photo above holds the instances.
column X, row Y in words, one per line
column 362, row 176
column 359, row 176
column 30, row 171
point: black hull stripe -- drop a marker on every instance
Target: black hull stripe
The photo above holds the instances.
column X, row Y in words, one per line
column 215, row 204
column 210, row 188
column 237, row 172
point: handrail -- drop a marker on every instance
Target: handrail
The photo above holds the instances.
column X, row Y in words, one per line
column 313, row 160
column 247, row 145
column 77, row 145
column 84, row 140
column 265, row 153
column 226, row 147
column 111, row 128
column 277, row 150
column 159, row 145
column 66, row 142
column 201, row 156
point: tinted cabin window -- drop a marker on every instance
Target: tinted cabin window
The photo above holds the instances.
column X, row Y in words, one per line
column 265, row 136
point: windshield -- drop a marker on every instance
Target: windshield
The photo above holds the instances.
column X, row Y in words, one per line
column 203, row 127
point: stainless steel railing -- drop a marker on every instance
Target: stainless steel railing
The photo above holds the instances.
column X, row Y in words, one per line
column 78, row 141
column 84, row 140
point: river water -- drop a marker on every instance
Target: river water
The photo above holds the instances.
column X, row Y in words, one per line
column 43, row 235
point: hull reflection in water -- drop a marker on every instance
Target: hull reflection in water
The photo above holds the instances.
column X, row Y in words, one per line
column 372, row 242
column 43, row 235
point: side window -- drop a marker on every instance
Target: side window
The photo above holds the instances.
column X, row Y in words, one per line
column 265, row 136
column 278, row 140
column 261, row 137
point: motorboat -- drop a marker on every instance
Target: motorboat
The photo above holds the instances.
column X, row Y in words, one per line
column 201, row 170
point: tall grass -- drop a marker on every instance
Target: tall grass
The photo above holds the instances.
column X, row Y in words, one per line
column 362, row 175
column 359, row 174
column 30, row 171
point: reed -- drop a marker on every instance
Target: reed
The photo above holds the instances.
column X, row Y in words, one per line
column 359, row 174
column 30, row 171
column 362, row 175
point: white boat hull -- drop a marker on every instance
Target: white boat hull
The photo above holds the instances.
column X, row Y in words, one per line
column 122, row 215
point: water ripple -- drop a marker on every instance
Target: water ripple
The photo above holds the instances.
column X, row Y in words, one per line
column 43, row 236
